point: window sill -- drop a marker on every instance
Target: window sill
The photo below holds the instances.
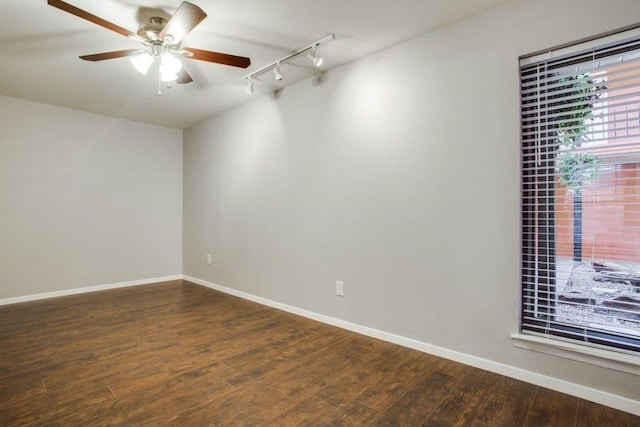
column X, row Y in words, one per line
column 620, row 361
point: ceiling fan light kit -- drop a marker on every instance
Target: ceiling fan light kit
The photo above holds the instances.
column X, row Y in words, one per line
column 310, row 50
column 161, row 43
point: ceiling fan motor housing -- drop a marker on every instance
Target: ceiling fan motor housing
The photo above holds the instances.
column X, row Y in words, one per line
column 151, row 30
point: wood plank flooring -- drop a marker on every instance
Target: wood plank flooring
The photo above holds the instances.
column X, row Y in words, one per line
column 176, row 353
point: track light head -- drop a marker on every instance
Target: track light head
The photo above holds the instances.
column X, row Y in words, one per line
column 278, row 73
column 249, row 88
column 314, row 58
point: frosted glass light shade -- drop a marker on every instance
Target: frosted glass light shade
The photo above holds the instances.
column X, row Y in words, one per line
column 142, row 62
column 168, row 77
column 170, row 64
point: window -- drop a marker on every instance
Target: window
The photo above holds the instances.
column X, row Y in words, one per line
column 580, row 117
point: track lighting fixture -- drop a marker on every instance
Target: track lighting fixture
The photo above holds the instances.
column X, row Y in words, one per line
column 310, row 50
column 278, row 73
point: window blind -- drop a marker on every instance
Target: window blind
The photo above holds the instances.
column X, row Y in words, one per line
column 580, row 134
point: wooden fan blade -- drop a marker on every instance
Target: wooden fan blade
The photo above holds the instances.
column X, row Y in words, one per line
column 183, row 77
column 92, row 18
column 111, row 55
column 185, row 19
column 217, row 57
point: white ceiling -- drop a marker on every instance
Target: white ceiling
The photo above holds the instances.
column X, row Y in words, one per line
column 40, row 45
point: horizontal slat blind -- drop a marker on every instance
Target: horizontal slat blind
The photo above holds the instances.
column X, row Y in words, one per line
column 580, row 128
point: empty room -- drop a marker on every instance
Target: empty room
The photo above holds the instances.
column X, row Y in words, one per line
column 320, row 212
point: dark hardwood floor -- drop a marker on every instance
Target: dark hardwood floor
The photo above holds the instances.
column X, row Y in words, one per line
column 180, row 354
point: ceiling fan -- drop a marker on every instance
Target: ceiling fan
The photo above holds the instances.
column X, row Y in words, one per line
column 161, row 43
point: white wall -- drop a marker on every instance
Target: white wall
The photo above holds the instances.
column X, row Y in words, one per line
column 398, row 174
column 85, row 200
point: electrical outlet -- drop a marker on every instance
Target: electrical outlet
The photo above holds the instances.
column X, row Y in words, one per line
column 208, row 259
column 339, row 288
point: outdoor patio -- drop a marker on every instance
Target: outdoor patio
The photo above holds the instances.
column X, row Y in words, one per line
column 599, row 294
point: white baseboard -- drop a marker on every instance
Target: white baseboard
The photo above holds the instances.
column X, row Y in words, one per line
column 587, row 393
column 83, row 290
